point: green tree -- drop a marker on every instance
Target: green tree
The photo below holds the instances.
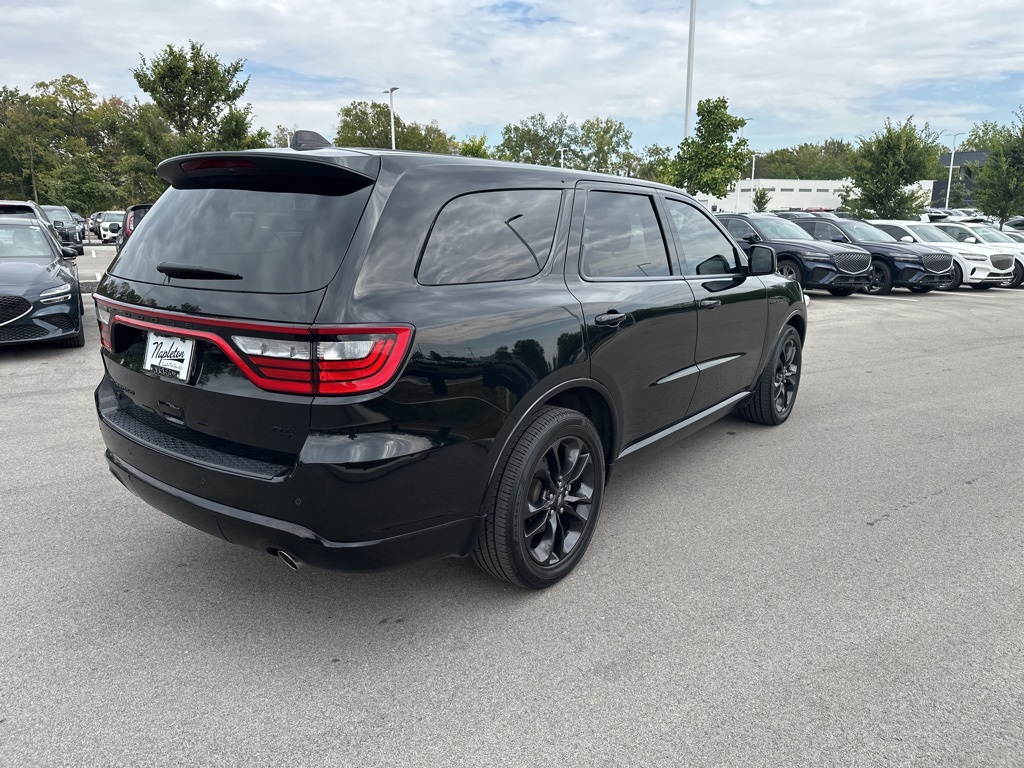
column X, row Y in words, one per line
column 69, row 103
column 711, row 160
column 26, row 144
column 198, row 95
column 654, row 163
column 984, row 137
column 366, row 124
column 604, row 145
column 829, row 160
column 80, row 184
column 885, row 166
column 537, row 141
column 762, row 197
column 999, row 184
column 473, row 146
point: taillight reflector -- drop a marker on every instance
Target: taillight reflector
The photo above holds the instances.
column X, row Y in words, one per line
column 216, row 163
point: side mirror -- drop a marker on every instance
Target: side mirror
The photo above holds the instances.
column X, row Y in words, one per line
column 751, row 238
column 839, row 239
column 60, row 224
column 971, row 239
column 68, row 252
column 906, row 239
column 762, row 260
column 113, row 228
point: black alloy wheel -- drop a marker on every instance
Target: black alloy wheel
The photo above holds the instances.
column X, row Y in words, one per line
column 957, row 279
column 1018, row 276
column 775, row 392
column 880, row 279
column 545, row 502
column 789, row 268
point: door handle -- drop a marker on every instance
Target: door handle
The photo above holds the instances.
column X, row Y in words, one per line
column 610, row 318
column 710, row 303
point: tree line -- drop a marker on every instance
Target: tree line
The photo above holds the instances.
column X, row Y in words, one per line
column 62, row 144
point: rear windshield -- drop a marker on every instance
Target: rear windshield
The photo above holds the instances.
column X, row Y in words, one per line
column 17, row 210
column 278, row 241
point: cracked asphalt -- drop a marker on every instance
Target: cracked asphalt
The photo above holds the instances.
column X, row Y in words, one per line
column 847, row 589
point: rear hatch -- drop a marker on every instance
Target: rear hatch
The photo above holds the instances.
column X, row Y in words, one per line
column 206, row 316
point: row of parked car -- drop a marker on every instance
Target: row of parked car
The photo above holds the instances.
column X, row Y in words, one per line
column 842, row 255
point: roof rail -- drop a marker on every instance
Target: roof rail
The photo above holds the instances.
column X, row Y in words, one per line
column 308, row 140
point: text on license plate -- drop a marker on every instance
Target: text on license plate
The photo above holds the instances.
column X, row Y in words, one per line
column 168, row 355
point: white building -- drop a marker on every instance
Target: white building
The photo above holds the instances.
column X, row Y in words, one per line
column 786, row 194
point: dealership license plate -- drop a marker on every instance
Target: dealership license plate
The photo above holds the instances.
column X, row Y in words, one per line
column 168, row 355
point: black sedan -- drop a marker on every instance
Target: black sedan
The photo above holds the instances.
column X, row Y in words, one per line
column 920, row 268
column 40, row 298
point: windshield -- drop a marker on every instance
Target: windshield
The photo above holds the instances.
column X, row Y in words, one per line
column 858, row 230
column 113, row 215
column 992, row 235
column 19, row 242
column 930, row 234
column 779, row 229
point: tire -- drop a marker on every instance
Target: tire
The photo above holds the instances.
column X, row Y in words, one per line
column 881, row 279
column 981, row 286
column 920, row 289
column 545, row 500
column 956, row 282
column 775, row 392
column 76, row 341
column 791, row 269
column 1018, row 276
column 841, row 291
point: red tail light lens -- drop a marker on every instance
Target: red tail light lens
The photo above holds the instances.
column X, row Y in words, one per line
column 216, row 164
column 299, row 360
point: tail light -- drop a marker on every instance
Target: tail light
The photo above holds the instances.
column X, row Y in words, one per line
column 129, row 223
column 301, row 360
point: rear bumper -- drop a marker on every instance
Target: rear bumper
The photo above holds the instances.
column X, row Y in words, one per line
column 271, row 535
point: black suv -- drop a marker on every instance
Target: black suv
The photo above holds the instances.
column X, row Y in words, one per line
column 894, row 264
column 65, row 226
column 133, row 216
column 361, row 358
column 839, row 269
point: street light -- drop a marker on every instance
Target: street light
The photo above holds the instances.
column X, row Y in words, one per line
column 952, row 154
column 561, row 157
column 689, row 68
column 391, row 96
column 737, row 202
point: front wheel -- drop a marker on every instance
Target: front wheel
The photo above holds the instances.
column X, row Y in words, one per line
column 956, row 279
column 789, row 268
column 545, row 501
column 880, row 280
column 1018, row 276
column 775, row 392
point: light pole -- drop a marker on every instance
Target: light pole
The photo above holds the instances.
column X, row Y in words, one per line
column 561, row 157
column 391, row 97
column 689, row 68
column 737, row 201
column 952, row 154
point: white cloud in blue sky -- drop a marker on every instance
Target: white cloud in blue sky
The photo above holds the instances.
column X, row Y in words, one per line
column 804, row 70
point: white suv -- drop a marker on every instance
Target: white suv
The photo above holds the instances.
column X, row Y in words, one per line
column 992, row 236
column 108, row 233
column 978, row 265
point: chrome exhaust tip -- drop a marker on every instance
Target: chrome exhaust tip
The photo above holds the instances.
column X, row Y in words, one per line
column 286, row 558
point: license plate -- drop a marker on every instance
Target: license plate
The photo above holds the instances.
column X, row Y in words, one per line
column 168, row 355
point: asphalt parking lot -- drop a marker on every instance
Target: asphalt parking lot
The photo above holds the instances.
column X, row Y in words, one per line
column 843, row 590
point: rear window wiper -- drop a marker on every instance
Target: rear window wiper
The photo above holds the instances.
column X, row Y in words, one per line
column 193, row 272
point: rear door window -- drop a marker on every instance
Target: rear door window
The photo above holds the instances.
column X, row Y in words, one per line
column 278, row 241
column 491, row 236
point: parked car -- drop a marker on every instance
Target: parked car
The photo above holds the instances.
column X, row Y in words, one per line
column 972, row 264
column 94, row 222
column 28, row 209
column 110, row 225
column 357, row 358
column 80, row 223
column 1014, row 222
column 998, row 269
column 893, row 264
column 793, row 214
column 133, row 216
column 989, row 235
column 839, row 269
column 1014, row 235
column 65, row 226
column 40, row 299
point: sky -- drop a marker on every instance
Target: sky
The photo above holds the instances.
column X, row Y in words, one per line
column 799, row 70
